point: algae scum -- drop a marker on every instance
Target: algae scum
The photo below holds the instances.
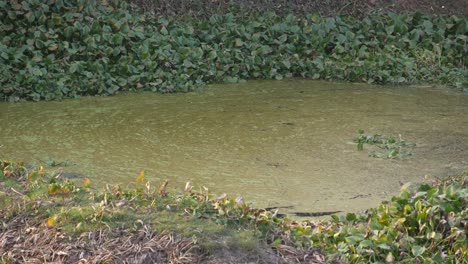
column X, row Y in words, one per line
column 276, row 143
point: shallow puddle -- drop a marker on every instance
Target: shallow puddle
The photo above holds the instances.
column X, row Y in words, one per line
column 276, row 143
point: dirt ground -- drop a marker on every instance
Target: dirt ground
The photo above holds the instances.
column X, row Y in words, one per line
column 25, row 238
column 359, row 8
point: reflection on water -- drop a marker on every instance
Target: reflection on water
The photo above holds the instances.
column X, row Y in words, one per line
column 275, row 143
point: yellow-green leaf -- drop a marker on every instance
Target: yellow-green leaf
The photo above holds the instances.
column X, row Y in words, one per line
column 141, row 176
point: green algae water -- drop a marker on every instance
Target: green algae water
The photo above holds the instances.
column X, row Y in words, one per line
column 275, row 143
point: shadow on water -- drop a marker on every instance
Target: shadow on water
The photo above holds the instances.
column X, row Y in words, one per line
column 281, row 143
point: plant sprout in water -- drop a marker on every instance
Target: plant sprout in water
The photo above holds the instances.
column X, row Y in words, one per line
column 390, row 147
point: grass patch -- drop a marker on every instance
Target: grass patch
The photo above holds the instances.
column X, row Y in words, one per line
column 424, row 225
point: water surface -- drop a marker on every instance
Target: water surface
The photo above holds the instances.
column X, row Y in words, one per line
column 278, row 143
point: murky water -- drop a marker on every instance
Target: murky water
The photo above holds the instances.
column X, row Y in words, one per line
column 281, row 143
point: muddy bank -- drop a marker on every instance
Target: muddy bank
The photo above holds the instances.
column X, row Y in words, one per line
column 48, row 219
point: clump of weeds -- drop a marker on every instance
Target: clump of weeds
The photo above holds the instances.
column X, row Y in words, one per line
column 388, row 147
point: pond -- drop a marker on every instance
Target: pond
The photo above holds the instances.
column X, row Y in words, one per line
column 275, row 143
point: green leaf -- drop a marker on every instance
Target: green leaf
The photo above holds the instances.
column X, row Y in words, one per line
column 140, row 35
column 428, row 26
column 74, row 67
column 187, row 63
column 231, row 80
column 350, row 217
column 116, row 51
column 283, row 38
column 53, row 47
column 418, row 250
column 40, row 44
column 117, row 39
column 352, row 240
column 212, row 55
column 264, row 50
column 68, row 32
column 341, row 38
column 30, row 17
column 390, row 29
column 384, row 246
column 375, row 226
column 185, row 51
column 366, row 243
column 36, row 71
column 239, row 42
column 164, row 31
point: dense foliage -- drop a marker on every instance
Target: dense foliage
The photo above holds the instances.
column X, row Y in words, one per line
column 57, row 48
column 425, row 225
